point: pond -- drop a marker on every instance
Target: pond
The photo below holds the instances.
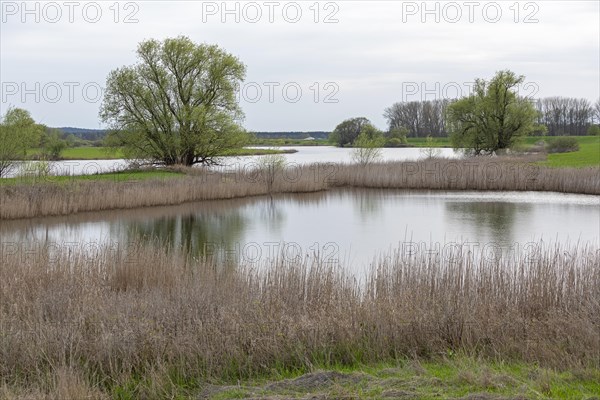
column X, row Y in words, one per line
column 351, row 227
column 303, row 155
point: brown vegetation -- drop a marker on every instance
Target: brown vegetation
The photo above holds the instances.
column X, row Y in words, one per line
column 28, row 200
column 90, row 323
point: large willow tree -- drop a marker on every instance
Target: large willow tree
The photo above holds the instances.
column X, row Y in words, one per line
column 493, row 117
column 177, row 104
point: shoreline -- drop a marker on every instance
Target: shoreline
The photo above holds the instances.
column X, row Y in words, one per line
column 213, row 324
column 64, row 197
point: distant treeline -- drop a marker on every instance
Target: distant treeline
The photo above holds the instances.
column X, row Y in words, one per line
column 564, row 116
column 85, row 134
column 419, row 118
column 560, row 115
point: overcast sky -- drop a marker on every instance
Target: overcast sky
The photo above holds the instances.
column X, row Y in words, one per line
column 310, row 64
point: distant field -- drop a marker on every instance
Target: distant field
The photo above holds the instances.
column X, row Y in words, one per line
column 85, row 153
column 91, row 153
column 588, row 154
column 436, row 142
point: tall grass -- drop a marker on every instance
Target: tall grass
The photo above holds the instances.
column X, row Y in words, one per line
column 93, row 323
column 43, row 199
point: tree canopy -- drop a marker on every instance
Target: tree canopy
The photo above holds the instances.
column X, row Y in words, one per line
column 177, row 105
column 348, row 131
column 493, row 117
column 18, row 132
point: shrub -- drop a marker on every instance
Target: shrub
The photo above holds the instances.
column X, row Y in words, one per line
column 562, row 145
column 395, row 142
column 430, row 151
column 594, row 130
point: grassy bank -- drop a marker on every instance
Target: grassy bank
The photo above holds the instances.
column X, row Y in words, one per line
column 587, row 155
column 450, row 377
column 71, row 195
column 143, row 322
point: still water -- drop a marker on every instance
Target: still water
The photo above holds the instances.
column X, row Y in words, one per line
column 303, row 155
column 352, row 227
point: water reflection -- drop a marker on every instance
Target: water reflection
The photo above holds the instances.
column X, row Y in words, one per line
column 352, row 226
column 195, row 233
column 496, row 220
column 367, row 205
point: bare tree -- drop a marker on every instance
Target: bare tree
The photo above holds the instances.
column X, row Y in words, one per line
column 565, row 116
column 420, row 118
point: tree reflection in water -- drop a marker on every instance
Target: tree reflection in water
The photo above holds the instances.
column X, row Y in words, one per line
column 491, row 220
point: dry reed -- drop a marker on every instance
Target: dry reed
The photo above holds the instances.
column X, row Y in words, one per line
column 95, row 322
column 46, row 199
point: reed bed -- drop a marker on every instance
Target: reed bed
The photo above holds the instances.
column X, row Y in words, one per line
column 51, row 199
column 47, row 199
column 83, row 325
column 471, row 174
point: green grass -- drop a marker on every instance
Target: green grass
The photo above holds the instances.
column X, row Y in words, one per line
column 84, row 153
column 451, row 377
column 123, row 176
column 422, row 142
column 91, row 153
column 588, row 154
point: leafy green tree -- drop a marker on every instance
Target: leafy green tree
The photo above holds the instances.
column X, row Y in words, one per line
column 18, row 133
column 72, row 140
column 367, row 146
column 493, row 117
column 52, row 144
column 346, row 132
column 177, row 105
column 396, row 137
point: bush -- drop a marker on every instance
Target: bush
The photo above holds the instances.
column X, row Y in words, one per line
column 395, row 142
column 594, row 130
column 562, row 145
